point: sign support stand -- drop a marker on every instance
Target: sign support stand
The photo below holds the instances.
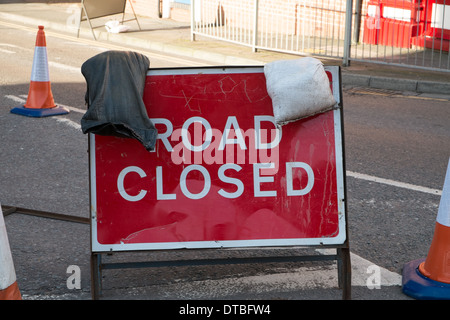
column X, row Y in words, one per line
column 344, row 272
column 101, row 8
column 342, row 257
column 341, row 244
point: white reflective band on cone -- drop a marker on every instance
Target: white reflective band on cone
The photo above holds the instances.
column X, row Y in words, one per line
column 443, row 216
column 39, row 72
column 7, row 272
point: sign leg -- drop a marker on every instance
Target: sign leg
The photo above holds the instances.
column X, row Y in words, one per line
column 344, row 272
column 96, row 276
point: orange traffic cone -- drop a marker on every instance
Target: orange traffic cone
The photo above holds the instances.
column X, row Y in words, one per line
column 430, row 278
column 9, row 290
column 40, row 98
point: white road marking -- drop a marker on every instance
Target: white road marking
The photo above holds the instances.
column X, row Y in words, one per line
column 69, row 122
column 7, row 51
column 2, row 44
column 394, row 183
column 64, row 67
column 73, row 109
column 15, row 98
column 362, row 271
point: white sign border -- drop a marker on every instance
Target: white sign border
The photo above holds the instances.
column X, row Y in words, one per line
column 337, row 240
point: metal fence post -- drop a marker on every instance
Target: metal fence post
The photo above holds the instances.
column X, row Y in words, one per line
column 348, row 33
column 255, row 26
column 358, row 17
column 192, row 20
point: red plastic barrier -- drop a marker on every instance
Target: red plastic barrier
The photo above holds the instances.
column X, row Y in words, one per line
column 371, row 34
column 394, row 22
column 436, row 26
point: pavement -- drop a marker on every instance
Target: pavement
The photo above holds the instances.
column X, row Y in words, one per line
column 174, row 37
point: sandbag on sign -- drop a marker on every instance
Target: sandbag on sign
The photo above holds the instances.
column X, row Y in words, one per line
column 299, row 88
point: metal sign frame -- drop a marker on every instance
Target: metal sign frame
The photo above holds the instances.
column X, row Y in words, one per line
column 340, row 243
column 93, row 9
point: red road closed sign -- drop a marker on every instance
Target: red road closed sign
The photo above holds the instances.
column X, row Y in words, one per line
column 222, row 173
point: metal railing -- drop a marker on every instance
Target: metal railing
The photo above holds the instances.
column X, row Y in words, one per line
column 294, row 26
column 401, row 32
column 411, row 33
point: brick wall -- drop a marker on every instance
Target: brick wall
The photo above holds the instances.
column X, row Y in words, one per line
column 146, row 8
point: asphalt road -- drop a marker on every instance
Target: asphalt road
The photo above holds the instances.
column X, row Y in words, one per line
column 402, row 138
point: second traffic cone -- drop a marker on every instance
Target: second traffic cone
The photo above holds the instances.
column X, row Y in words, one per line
column 40, row 98
column 430, row 278
column 9, row 290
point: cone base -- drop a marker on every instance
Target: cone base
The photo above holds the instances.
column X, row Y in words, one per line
column 39, row 113
column 417, row 286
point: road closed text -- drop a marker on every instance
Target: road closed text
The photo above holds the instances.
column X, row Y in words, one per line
column 259, row 179
column 219, row 156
